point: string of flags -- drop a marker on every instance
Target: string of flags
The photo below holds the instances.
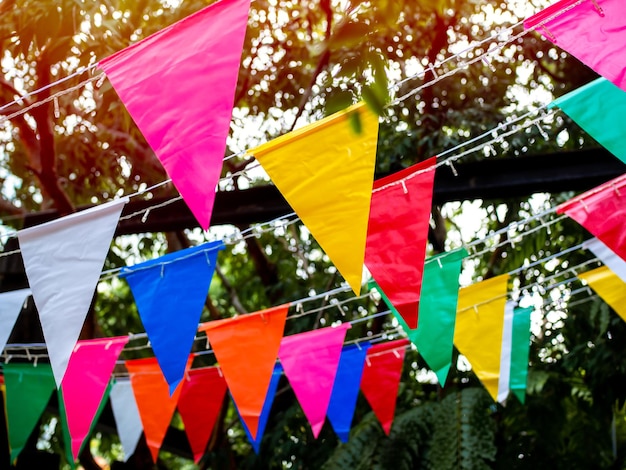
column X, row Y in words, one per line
column 343, row 208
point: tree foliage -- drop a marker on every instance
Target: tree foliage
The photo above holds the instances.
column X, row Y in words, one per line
column 303, row 60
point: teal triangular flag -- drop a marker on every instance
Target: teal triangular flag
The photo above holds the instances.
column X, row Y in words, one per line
column 28, row 390
column 520, row 350
column 434, row 336
column 170, row 292
column 437, row 311
column 598, row 107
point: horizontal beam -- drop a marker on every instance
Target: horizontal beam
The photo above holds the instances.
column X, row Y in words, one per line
column 486, row 179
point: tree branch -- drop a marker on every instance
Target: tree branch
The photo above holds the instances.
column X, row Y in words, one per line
column 266, row 269
column 48, row 175
column 234, row 298
column 321, row 65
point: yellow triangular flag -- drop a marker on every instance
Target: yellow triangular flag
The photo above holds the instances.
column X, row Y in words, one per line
column 325, row 171
column 609, row 286
column 478, row 331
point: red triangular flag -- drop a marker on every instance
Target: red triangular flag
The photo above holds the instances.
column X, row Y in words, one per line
column 310, row 362
column 179, row 87
column 86, row 379
column 246, row 348
column 602, row 211
column 199, row 405
column 381, row 378
column 152, row 394
column 397, row 235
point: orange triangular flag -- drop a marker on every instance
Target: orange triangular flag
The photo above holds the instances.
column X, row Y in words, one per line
column 156, row 406
column 246, row 348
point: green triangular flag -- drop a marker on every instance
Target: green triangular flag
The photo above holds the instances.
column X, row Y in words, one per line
column 28, row 390
column 67, row 440
column 434, row 336
column 520, row 350
column 598, row 107
column 437, row 311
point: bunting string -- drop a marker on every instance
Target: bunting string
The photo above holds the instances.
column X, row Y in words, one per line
column 463, row 65
column 469, row 48
column 30, row 94
column 447, row 161
column 337, row 304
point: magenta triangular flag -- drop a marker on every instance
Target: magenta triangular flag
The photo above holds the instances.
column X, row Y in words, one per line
column 199, row 405
column 86, row 379
column 592, row 31
column 396, row 239
column 310, row 362
column 179, row 86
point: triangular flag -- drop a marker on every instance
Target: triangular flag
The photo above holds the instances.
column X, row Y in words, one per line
column 28, row 391
column 246, row 348
column 11, row 304
column 591, row 31
column 155, row 404
column 598, row 108
column 602, row 211
column 381, row 379
column 325, row 172
column 63, row 261
column 87, row 377
column 310, row 361
column 346, row 388
column 68, row 441
column 607, row 256
column 609, row 287
column 182, row 102
column 396, row 239
column 478, row 332
column 170, row 293
column 505, row 352
column 265, row 412
column 520, row 351
column 437, row 310
column 126, row 416
column 199, row 405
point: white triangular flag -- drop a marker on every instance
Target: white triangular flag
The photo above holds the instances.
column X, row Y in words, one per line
column 11, row 304
column 63, row 261
column 505, row 356
column 126, row 416
column 607, row 256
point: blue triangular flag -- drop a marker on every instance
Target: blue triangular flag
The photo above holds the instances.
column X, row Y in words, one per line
column 265, row 412
column 346, row 388
column 170, row 292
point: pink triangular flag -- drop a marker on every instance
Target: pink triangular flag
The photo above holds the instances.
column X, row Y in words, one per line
column 86, row 379
column 63, row 260
column 11, row 304
column 381, row 379
column 179, row 87
column 310, row 362
column 199, row 405
column 592, row 31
